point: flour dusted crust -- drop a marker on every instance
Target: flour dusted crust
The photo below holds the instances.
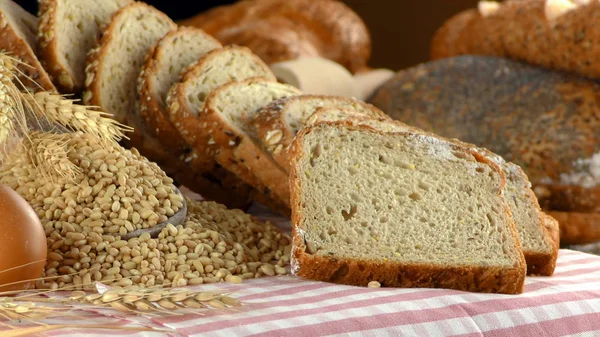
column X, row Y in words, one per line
column 16, row 45
column 357, row 271
column 522, row 30
column 153, row 109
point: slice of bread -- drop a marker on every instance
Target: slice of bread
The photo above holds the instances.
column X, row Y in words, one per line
column 227, row 114
column 538, row 241
column 113, row 66
column 279, row 122
column 403, row 209
column 17, row 39
column 162, row 69
column 67, row 31
column 186, row 99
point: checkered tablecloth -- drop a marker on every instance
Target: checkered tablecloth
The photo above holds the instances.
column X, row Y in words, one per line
column 566, row 304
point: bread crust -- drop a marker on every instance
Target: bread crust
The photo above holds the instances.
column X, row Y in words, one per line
column 520, row 30
column 333, row 29
column 240, row 154
column 152, row 109
column 270, row 120
column 569, row 198
column 361, row 272
column 545, row 264
column 16, row 47
column 577, row 228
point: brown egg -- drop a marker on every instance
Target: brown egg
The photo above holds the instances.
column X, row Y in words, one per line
column 23, row 246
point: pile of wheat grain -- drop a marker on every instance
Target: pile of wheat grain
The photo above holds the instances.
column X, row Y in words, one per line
column 116, row 191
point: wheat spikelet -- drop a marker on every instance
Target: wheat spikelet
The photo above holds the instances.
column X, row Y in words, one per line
column 65, row 112
column 49, row 154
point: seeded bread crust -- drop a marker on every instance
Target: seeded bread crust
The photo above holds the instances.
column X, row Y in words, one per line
column 521, row 30
column 153, row 109
column 238, row 151
column 577, row 228
column 360, row 272
column 49, row 50
column 186, row 120
column 17, row 46
column 275, row 135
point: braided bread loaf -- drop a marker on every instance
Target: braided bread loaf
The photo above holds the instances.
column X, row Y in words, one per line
column 281, row 30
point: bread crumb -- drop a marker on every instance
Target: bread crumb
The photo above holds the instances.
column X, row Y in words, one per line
column 374, row 284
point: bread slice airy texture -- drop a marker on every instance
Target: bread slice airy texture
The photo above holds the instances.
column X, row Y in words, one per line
column 279, row 122
column 67, row 31
column 17, row 38
column 536, row 229
column 113, row 66
column 227, row 115
column 162, row 69
column 403, row 209
column 186, row 98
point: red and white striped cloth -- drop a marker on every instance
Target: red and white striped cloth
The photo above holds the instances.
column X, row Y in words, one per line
column 566, row 304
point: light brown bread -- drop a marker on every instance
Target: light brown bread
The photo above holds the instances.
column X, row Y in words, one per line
column 534, row 227
column 186, row 98
column 67, row 31
column 451, row 230
column 17, row 39
column 162, row 69
column 227, row 114
column 278, row 123
column 113, row 66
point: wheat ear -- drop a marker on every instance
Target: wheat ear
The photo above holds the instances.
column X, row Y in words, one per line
column 75, row 117
column 12, row 114
column 49, row 154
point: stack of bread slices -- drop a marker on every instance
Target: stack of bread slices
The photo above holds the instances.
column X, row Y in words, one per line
column 217, row 119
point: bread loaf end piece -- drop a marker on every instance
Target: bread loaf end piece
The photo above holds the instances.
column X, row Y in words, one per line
column 444, row 223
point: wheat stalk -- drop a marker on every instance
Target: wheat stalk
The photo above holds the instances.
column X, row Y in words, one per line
column 49, row 154
column 75, row 117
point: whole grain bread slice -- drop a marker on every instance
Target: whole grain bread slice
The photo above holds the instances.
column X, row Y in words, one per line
column 186, row 98
column 451, row 230
column 279, row 122
column 162, row 69
column 226, row 116
column 67, row 31
column 113, row 66
column 17, row 39
column 535, row 228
